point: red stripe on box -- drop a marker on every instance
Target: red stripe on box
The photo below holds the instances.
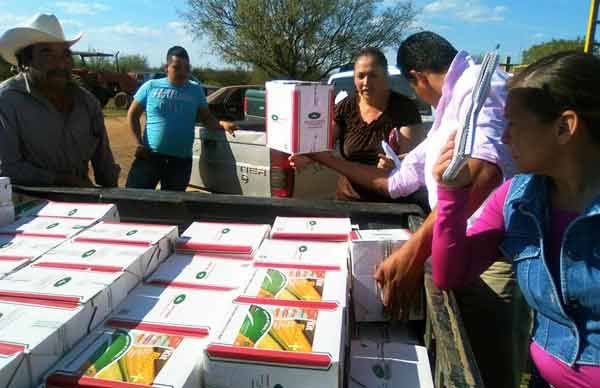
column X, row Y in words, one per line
column 310, row 267
column 197, row 332
column 310, row 236
column 8, row 349
column 202, row 247
column 137, row 225
column 330, row 121
column 60, row 380
column 113, row 241
column 205, row 256
column 191, row 286
column 63, row 301
column 295, row 146
column 269, row 356
column 21, row 233
column 316, row 305
column 354, row 236
column 81, row 267
column 14, row 258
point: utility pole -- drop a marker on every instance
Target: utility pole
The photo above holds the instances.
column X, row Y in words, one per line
column 591, row 27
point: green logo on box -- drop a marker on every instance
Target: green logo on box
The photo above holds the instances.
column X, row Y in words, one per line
column 312, row 223
column 314, row 115
column 62, row 281
column 88, row 253
column 303, row 248
column 226, row 230
column 54, row 225
column 201, row 275
column 274, row 117
column 179, row 299
column 72, row 212
column 132, row 232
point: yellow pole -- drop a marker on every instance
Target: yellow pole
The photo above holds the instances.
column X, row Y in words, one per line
column 591, row 27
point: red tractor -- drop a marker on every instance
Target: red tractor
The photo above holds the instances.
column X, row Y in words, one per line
column 106, row 84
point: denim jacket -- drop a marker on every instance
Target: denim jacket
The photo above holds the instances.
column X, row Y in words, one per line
column 567, row 322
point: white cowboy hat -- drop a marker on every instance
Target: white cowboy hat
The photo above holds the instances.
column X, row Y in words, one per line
column 42, row 28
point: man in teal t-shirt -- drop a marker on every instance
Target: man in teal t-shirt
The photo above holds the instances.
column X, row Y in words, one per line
column 172, row 105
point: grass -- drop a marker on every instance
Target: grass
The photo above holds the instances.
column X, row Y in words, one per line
column 111, row 111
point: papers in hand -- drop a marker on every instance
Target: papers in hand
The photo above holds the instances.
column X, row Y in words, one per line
column 465, row 137
column 389, row 152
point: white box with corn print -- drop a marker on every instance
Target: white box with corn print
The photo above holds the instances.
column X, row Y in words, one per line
column 291, row 347
column 224, row 238
column 303, row 254
column 113, row 357
column 33, row 338
column 299, row 116
column 189, row 312
column 203, row 272
column 163, row 237
column 309, row 287
column 74, row 210
column 311, row 228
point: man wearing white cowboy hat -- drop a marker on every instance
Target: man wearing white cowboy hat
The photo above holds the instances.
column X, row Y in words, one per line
column 50, row 128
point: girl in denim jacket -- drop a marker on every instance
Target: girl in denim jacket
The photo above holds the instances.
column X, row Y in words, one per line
column 546, row 219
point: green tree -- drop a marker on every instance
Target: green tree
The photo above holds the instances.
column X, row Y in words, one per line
column 541, row 50
column 295, row 38
column 133, row 62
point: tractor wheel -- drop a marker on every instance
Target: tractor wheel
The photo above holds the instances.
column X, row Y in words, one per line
column 122, row 100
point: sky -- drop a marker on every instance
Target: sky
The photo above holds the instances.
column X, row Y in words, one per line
column 150, row 27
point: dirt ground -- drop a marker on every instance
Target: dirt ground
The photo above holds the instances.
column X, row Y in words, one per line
column 122, row 143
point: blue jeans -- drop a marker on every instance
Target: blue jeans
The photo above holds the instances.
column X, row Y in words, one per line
column 171, row 172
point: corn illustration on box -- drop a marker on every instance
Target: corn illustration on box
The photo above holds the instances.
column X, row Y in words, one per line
column 140, row 357
column 294, row 346
column 311, row 287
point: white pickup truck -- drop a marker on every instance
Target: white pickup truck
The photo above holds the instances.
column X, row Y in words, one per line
column 244, row 165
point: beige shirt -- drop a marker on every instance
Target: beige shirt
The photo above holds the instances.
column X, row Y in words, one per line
column 37, row 142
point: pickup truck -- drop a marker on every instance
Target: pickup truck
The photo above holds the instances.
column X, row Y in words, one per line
column 244, row 165
column 450, row 352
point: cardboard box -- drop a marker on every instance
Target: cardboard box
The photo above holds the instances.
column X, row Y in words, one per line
column 32, row 339
column 17, row 251
column 202, row 272
column 5, row 190
column 97, row 292
column 137, row 261
column 7, row 214
column 75, row 210
column 277, row 346
column 299, row 116
column 300, row 228
column 308, row 288
column 368, row 249
column 46, row 226
column 230, row 238
column 125, row 358
column 192, row 313
column 145, row 235
column 379, row 361
column 329, row 256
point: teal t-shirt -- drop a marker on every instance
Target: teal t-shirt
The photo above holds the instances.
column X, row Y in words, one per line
column 171, row 113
